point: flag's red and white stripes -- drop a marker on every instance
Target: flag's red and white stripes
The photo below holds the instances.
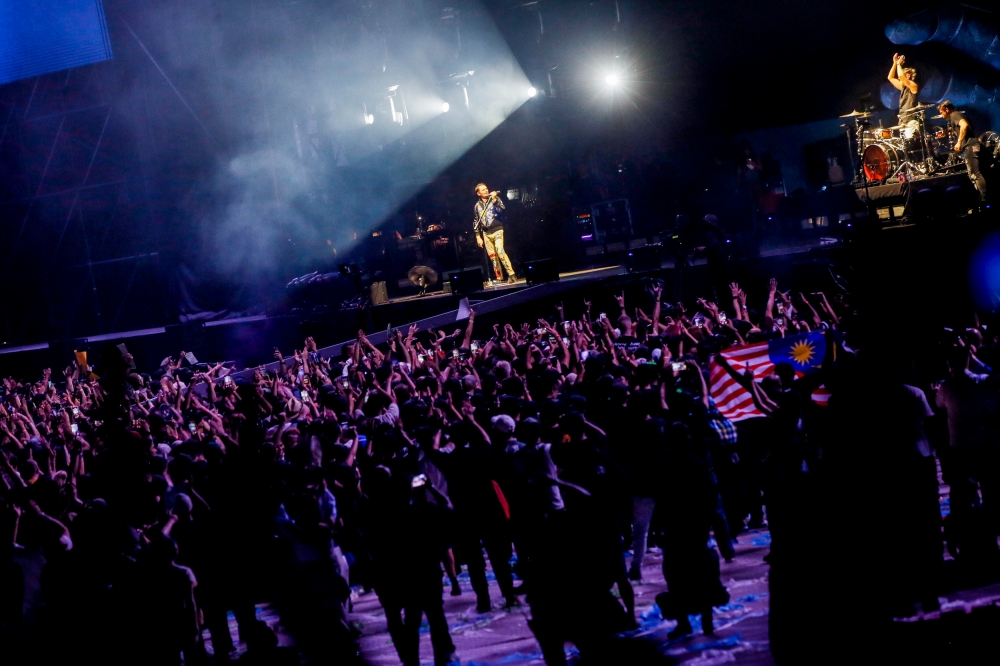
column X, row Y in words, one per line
column 734, row 401
column 821, row 396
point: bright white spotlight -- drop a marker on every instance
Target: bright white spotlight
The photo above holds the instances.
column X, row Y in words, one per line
column 611, row 79
column 369, row 119
column 532, row 91
column 445, row 107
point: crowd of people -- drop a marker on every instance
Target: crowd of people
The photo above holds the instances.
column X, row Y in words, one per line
column 139, row 508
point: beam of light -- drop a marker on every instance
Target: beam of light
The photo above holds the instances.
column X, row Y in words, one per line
column 532, row 91
column 611, row 79
column 359, row 173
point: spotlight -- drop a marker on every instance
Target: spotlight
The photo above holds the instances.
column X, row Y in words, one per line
column 611, row 79
column 369, row 119
column 532, row 91
column 445, row 107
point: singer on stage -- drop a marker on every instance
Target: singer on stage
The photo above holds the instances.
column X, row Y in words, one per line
column 488, row 225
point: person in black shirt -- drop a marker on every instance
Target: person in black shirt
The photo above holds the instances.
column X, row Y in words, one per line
column 903, row 79
column 967, row 143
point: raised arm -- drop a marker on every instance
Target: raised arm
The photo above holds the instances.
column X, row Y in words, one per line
column 621, row 304
column 467, row 340
column 467, row 415
column 816, row 319
column 701, row 381
column 657, row 294
column 894, row 74
column 772, row 287
column 746, row 380
column 825, row 304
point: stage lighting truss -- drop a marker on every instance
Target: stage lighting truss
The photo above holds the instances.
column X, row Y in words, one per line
column 396, row 116
column 461, row 79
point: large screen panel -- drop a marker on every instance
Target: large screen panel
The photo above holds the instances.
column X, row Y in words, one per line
column 42, row 36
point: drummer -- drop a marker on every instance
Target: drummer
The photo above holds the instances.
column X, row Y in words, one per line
column 904, row 79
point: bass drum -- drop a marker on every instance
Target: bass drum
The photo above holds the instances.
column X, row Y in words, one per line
column 881, row 161
column 866, row 137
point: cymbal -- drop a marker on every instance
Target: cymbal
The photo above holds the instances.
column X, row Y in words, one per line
column 894, row 127
column 857, row 114
column 422, row 276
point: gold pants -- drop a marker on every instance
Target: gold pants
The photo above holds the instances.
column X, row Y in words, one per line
column 494, row 248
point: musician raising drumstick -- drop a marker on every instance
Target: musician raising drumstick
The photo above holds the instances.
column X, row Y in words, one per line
column 904, row 80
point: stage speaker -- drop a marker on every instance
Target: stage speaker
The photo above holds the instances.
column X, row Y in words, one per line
column 379, row 294
column 542, row 270
column 466, row 282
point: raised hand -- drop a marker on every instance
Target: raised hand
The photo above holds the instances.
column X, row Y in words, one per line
column 621, row 300
column 735, row 289
column 772, row 285
column 468, row 410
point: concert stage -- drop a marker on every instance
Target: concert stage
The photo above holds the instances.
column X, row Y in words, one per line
column 928, row 198
column 925, row 200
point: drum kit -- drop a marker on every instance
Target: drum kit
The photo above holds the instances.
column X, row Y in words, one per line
column 907, row 151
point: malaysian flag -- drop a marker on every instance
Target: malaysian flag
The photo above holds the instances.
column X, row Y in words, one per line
column 803, row 351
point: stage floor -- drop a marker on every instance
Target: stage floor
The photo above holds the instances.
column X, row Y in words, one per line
column 770, row 248
column 490, row 288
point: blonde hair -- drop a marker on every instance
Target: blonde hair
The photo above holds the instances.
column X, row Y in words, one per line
column 476, row 190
